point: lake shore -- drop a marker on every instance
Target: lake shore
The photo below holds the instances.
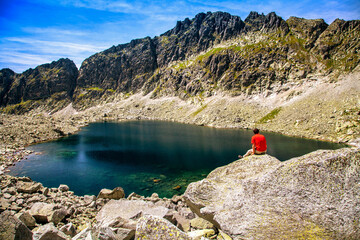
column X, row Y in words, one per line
column 327, row 117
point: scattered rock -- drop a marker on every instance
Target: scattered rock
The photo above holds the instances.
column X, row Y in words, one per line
column 28, row 187
column 154, row 227
column 68, row 229
column 85, row 234
column 156, row 180
column 49, row 232
column 89, row 199
column 63, row 188
column 200, row 234
column 27, row 219
column 12, row 228
column 134, row 196
column 200, row 223
column 128, row 210
column 44, row 213
column 116, row 193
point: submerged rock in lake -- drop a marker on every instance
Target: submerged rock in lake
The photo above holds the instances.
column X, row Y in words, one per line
column 258, row 197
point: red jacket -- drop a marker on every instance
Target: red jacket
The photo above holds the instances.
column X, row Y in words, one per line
column 260, row 142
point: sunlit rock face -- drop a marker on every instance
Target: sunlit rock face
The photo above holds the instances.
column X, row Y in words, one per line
column 258, row 197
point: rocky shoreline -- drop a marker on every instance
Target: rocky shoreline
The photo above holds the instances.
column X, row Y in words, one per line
column 209, row 209
column 31, row 211
column 335, row 121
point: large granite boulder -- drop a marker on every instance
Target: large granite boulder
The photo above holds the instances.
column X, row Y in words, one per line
column 313, row 196
column 45, row 213
column 12, row 228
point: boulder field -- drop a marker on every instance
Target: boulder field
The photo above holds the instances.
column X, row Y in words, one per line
column 315, row 196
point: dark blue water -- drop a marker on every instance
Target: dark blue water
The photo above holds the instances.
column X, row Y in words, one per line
column 134, row 154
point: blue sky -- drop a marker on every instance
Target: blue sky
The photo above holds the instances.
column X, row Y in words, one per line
column 34, row 32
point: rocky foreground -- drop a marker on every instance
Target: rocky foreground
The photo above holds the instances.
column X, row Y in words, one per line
column 316, row 196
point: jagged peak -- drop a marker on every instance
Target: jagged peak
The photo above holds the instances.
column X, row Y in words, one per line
column 253, row 15
column 6, row 71
column 269, row 22
column 198, row 20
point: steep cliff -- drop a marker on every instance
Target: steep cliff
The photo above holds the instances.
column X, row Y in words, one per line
column 218, row 52
column 211, row 53
column 56, row 80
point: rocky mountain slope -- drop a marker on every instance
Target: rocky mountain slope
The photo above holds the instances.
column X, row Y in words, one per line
column 264, row 69
column 55, row 81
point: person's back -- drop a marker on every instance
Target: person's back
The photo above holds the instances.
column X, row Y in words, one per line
column 260, row 142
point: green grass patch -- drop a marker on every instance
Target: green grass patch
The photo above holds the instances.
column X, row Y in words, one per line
column 200, row 109
column 270, row 116
column 18, row 108
column 181, row 65
column 95, row 89
column 208, row 54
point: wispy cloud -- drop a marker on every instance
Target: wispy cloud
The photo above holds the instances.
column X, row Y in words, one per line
column 28, row 52
column 53, row 30
column 56, row 47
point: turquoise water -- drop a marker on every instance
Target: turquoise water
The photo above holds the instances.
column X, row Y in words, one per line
column 146, row 156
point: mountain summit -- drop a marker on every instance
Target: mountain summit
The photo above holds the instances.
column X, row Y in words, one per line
column 211, row 53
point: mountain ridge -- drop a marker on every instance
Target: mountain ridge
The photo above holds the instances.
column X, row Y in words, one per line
column 273, row 68
column 136, row 65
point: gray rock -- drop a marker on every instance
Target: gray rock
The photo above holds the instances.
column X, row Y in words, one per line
column 125, row 234
column 134, row 196
column 200, row 223
column 179, row 221
column 69, row 229
column 10, row 190
column 44, row 213
column 28, row 187
column 12, row 228
column 259, row 197
column 129, row 210
column 85, row 234
column 116, row 193
column 201, row 234
column 63, row 188
column 49, row 232
column 27, row 219
column 154, row 227
column 106, row 233
column 4, row 204
column 89, row 199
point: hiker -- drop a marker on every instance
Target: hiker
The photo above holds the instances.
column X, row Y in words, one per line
column 258, row 142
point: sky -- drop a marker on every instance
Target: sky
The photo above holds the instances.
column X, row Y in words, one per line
column 35, row 32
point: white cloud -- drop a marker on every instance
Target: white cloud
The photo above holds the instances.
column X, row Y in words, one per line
column 29, row 52
column 53, row 30
column 55, row 47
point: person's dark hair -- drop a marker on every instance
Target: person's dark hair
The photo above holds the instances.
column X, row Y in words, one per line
column 256, row 131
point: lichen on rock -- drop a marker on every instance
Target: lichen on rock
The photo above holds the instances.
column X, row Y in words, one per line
column 315, row 195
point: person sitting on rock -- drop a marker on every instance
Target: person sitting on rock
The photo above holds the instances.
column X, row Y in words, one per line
column 258, row 142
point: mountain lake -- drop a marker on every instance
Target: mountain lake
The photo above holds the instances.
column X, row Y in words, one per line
column 146, row 156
